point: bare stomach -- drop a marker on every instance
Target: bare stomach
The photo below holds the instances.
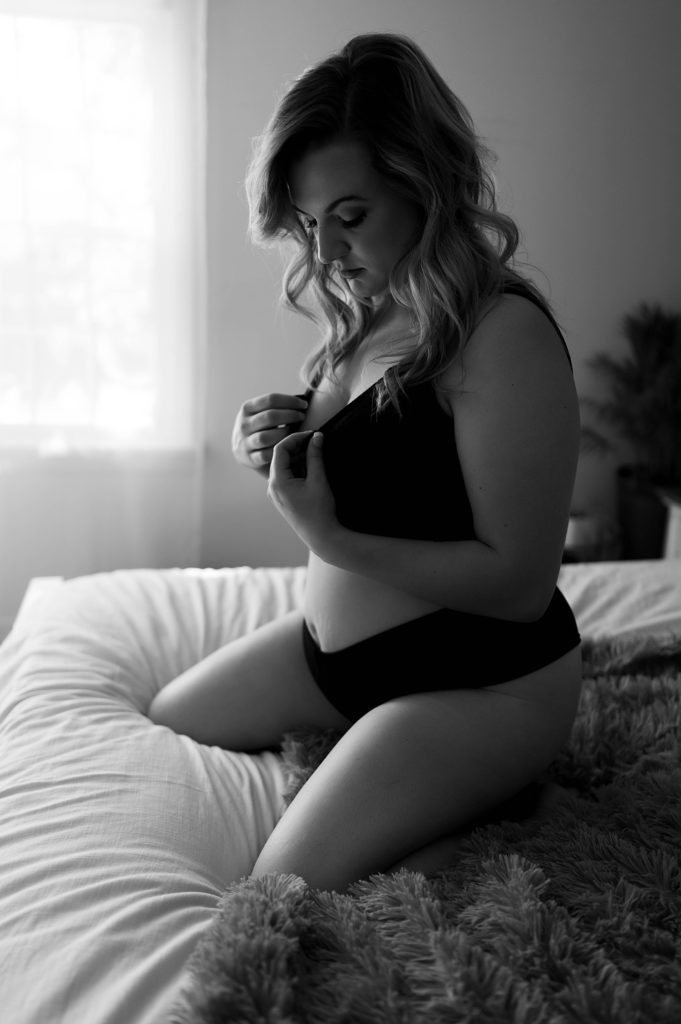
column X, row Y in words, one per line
column 342, row 608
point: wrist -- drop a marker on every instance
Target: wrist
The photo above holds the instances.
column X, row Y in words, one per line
column 328, row 543
column 337, row 546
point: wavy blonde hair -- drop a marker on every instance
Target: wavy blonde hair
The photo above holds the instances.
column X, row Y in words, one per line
column 381, row 90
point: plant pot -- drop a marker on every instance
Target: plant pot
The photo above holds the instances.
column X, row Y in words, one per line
column 642, row 515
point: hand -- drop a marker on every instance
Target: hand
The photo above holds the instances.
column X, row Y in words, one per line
column 300, row 491
column 261, row 423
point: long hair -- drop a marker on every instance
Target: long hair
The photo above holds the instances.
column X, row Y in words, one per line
column 381, row 90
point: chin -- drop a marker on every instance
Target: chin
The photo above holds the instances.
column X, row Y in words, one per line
column 367, row 290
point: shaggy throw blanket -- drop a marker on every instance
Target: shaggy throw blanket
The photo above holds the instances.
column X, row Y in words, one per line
column 570, row 917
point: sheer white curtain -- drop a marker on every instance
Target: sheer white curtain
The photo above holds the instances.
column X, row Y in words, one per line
column 101, row 282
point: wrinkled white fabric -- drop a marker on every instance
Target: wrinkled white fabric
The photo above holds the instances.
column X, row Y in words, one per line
column 117, row 836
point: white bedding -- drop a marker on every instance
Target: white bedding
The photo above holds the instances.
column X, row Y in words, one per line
column 117, row 837
column 624, row 599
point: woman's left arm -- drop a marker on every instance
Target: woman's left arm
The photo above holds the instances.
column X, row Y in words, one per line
column 516, row 420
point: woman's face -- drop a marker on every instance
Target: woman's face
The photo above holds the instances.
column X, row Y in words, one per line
column 360, row 225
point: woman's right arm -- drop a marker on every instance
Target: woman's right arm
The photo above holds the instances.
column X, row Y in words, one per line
column 261, row 423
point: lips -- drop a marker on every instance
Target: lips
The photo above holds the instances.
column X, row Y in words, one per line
column 352, row 272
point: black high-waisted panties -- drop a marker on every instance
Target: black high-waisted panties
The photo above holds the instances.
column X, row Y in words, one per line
column 445, row 650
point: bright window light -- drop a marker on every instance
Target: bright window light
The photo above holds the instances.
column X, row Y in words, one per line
column 99, row 240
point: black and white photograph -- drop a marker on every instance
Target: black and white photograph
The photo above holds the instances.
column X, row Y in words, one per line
column 340, row 512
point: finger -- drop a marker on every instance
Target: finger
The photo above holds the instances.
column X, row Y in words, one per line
column 275, row 418
column 288, row 459
column 315, row 458
column 261, row 457
column 295, row 442
column 280, row 465
column 273, row 400
column 266, row 438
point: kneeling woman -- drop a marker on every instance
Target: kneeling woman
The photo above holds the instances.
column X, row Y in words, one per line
column 428, row 468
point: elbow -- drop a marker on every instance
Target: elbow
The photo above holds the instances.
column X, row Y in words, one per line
column 526, row 599
column 532, row 611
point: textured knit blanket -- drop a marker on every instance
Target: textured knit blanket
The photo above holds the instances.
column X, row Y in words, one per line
column 570, row 916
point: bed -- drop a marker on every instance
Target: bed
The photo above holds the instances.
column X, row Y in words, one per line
column 125, row 847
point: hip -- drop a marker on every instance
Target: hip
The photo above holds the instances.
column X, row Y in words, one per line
column 440, row 650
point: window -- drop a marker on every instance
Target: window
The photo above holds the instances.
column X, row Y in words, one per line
column 100, row 203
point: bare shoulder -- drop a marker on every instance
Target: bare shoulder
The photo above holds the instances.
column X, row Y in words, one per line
column 514, row 374
column 514, row 341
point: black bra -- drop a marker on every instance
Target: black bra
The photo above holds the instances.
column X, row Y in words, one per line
column 399, row 475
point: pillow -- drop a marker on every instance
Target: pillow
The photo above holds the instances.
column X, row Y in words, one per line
column 119, row 836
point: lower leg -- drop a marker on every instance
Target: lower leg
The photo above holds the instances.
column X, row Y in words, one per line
column 536, row 803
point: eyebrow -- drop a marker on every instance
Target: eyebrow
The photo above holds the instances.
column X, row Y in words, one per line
column 332, row 206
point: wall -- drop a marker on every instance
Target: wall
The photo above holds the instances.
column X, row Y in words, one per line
column 579, row 99
column 73, row 515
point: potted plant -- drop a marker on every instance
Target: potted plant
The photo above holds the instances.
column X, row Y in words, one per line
column 643, row 406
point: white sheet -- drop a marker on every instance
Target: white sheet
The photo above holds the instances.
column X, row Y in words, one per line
column 117, row 836
column 624, row 599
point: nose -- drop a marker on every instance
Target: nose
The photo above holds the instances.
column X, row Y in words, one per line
column 330, row 246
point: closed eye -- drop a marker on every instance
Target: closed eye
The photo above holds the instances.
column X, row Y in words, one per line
column 355, row 222
column 309, row 224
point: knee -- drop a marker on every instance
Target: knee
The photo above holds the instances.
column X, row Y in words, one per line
column 161, row 711
column 155, row 711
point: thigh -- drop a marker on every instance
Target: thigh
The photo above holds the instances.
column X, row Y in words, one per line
column 248, row 693
column 418, row 768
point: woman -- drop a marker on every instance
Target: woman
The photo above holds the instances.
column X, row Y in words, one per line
column 428, row 469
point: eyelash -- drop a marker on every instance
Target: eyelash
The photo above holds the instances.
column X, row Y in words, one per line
column 310, row 225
